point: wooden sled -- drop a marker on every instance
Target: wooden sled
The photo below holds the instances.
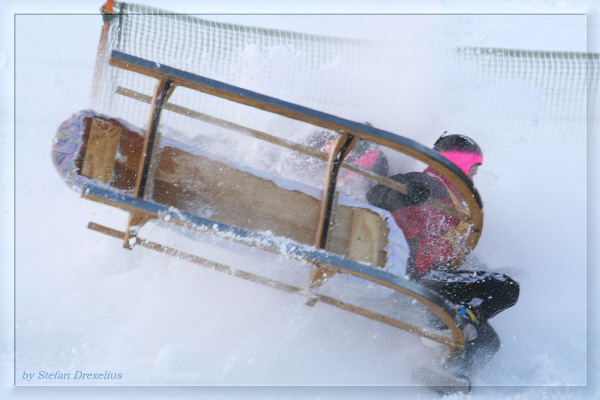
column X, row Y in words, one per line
column 124, row 167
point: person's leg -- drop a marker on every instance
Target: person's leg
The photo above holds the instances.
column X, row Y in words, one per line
column 454, row 374
column 476, row 353
column 485, row 293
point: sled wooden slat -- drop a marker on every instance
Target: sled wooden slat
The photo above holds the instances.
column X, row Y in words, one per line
column 436, row 303
column 366, row 226
column 288, row 145
column 200, row 185
column 340, row 125
column 106, row 230
column 235, row 197
column 453, row 344
column 101, row 150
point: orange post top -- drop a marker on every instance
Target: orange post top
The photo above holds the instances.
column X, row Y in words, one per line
column 108, row 7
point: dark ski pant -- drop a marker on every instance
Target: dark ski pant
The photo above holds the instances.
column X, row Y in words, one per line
column 486, row 294
column 477, row 352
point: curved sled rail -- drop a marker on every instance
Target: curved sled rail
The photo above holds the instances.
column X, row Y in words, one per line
column 432, row 300
column 340, row 125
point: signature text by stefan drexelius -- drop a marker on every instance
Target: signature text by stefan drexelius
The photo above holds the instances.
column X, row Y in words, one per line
column 72, row 375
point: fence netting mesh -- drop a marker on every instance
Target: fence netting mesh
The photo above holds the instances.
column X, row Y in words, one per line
column 297, row 67
column 563, row 86
column 525, row 90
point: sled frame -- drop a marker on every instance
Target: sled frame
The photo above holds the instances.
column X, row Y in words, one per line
column 326, row 264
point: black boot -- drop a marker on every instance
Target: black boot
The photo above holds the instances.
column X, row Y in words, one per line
column 476, row 353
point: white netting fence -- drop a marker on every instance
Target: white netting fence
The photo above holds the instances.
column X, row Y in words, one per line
column 533, row 92
column 562, row 86
column 320, row 72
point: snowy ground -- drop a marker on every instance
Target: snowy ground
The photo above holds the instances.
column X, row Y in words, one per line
column 84, row 303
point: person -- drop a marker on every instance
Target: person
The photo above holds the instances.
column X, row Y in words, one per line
column 434, row 238
column 364, row 153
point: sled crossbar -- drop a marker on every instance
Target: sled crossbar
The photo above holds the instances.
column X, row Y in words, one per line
column 321, row 119
column 239, row 273
column 445, row 310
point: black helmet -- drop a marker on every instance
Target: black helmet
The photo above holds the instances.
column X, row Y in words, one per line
column 458, row 143
column 461, row 150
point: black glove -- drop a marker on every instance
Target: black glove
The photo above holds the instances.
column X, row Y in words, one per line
column 416, row 194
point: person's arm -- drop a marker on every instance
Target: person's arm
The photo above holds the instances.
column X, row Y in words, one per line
column 389, row 199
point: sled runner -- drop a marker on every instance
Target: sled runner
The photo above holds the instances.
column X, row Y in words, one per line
column 155, row 178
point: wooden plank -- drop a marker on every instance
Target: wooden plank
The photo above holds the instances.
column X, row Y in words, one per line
column 338, row 240
column 203, row 186
column 455, row 343
column 129, row 151
column 101, row 150
column 365, row 237
column 384, row 234
column 105, row 230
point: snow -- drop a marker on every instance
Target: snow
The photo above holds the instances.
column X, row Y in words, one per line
column 84, row 303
